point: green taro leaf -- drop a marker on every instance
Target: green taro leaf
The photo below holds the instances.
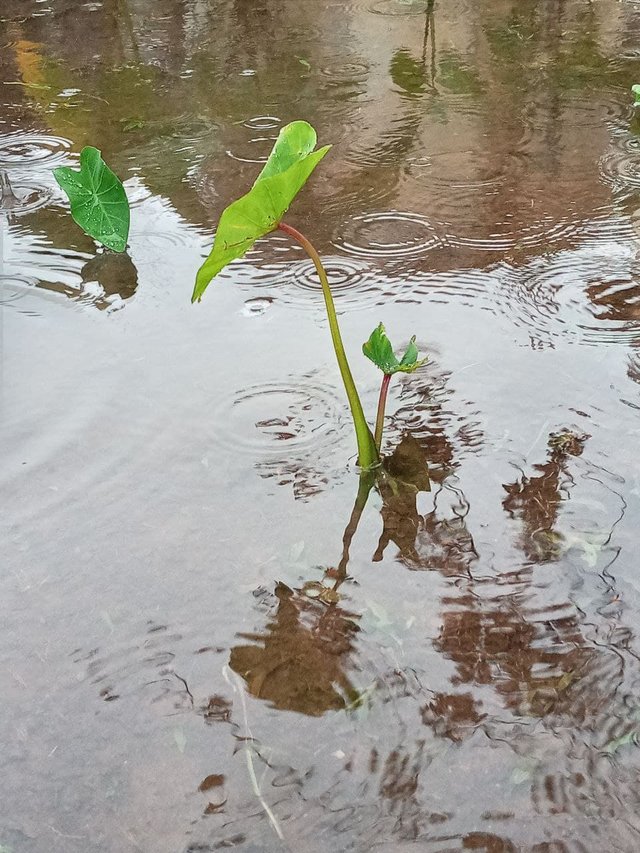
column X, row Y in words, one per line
column 98, row 200
column 295, row 142
column 258, row 212
column 636, row 93
column 410, row 358
column 379, row 350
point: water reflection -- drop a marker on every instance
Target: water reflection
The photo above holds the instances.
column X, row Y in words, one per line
column 299, row 662
column 537, row 500
column 109, row 275
column 439, row 539
column 479, row 639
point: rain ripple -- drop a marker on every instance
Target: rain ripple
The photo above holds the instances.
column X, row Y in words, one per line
column 20, row 150
column 346, row 72
column 393, row 234
column 435, row 416
column 22, row 157
column 280, row 419
column 342, row 80
column 14, row 287
column 375, row 153
column 399, row 8
column 22, row 196
column 354, row 284
column 262, row 123
column 257, row 150
column 589, row 295
column 620, row 166
column 457, row 182
column 255, row 146
column 509, row 235
column 36, row 271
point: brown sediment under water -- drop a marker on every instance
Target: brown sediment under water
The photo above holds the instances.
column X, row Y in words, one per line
column 207, row 642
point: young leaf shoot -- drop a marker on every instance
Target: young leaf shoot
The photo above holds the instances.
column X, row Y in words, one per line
column 379, row 350
column 98, row 200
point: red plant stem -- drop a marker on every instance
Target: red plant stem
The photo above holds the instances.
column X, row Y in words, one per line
column 382, row 402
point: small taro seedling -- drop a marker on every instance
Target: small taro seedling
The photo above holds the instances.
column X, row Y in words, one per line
column 99, row 203
column 100, row 207
column 291, row 162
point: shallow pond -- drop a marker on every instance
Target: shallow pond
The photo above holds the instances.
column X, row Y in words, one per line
column 190, row 660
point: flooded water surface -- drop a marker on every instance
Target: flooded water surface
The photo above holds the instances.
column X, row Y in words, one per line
column 208, row 640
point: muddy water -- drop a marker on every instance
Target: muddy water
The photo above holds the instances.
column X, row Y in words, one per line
column 189, row 658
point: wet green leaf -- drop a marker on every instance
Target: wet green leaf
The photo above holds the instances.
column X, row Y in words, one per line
column 379, row 350
column 98, row 200
column 290, row 164
column 295, row 142
column 410, row 358
column 636, row 93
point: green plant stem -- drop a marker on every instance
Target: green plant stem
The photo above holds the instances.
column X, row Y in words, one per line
column 382, row 402
column 368, row 455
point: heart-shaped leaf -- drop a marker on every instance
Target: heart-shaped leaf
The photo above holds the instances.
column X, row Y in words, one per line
column 258, row 212
column 98, row 200
column 379, row 350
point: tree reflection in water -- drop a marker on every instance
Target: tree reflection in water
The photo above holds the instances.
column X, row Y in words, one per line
column 298, row 662
column 536, row 500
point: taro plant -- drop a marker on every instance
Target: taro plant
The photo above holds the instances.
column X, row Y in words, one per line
column 99, row 203
column 291, row 162
column 635, row 90
column 379, row 350
column 100, row 207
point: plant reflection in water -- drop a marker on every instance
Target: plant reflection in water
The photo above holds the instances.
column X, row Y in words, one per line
column 299, row 662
